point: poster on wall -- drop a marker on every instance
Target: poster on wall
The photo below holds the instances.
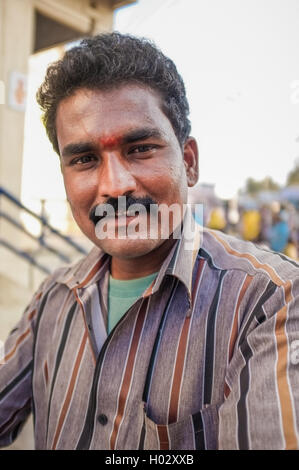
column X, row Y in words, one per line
column 17, row 91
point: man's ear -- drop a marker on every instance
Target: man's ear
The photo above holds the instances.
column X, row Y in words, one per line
column 191, row 161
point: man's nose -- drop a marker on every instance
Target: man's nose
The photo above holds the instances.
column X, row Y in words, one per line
column 115, row 178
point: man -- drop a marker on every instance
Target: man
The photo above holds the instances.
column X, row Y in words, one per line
column 147, row 343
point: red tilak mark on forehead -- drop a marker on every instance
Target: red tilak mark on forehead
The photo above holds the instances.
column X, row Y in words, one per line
column 110, row 141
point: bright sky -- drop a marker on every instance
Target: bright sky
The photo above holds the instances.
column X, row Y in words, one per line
column 239, row 61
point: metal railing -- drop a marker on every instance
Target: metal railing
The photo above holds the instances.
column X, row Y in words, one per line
column 39, row 239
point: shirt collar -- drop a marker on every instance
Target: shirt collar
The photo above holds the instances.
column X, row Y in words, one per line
column 179, row 262
column 184, row 256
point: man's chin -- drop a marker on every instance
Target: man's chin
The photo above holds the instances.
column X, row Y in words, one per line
column 128, row 248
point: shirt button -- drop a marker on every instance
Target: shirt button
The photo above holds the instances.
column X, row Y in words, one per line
column 102, row 419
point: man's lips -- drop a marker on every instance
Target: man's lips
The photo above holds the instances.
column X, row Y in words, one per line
column 121, row 219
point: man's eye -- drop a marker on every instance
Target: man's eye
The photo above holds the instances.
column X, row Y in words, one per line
column 83, row 160
column 142, row 148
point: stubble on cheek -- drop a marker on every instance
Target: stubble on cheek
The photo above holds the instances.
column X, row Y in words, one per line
column 80, row 214
column 77, row 199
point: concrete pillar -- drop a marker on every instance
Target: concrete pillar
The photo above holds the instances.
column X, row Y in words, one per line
column 16, row 41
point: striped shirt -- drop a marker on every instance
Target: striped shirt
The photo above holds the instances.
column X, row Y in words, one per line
column 206, row 358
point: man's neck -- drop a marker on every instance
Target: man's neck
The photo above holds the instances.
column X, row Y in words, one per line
column 134, row 268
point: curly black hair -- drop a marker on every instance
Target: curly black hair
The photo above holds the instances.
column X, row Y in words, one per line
column 108, row 60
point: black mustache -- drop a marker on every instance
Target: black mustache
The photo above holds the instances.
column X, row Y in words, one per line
column 146, row 201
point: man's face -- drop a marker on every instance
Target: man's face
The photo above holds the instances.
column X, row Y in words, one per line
column 116, row 143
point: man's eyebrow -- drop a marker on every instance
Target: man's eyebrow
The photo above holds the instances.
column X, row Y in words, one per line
column 128, row 138
column 76, row 149
column 141, row 134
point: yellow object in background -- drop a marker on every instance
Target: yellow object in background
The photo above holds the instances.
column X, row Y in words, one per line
column 291, row 251
column 251, row 224
column 217, row 219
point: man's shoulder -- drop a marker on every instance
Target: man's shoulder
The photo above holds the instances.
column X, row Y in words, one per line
column 227, row 252
column 69, row 275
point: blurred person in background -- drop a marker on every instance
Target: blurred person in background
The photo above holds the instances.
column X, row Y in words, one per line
column 251, row 225
column 291, row 249
column 266, row 222
column 217, row 220
column 279, row 232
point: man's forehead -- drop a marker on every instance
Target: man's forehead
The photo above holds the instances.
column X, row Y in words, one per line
column 112, row 140
column 133, row 94
column 111, row 116
column 129, row 103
